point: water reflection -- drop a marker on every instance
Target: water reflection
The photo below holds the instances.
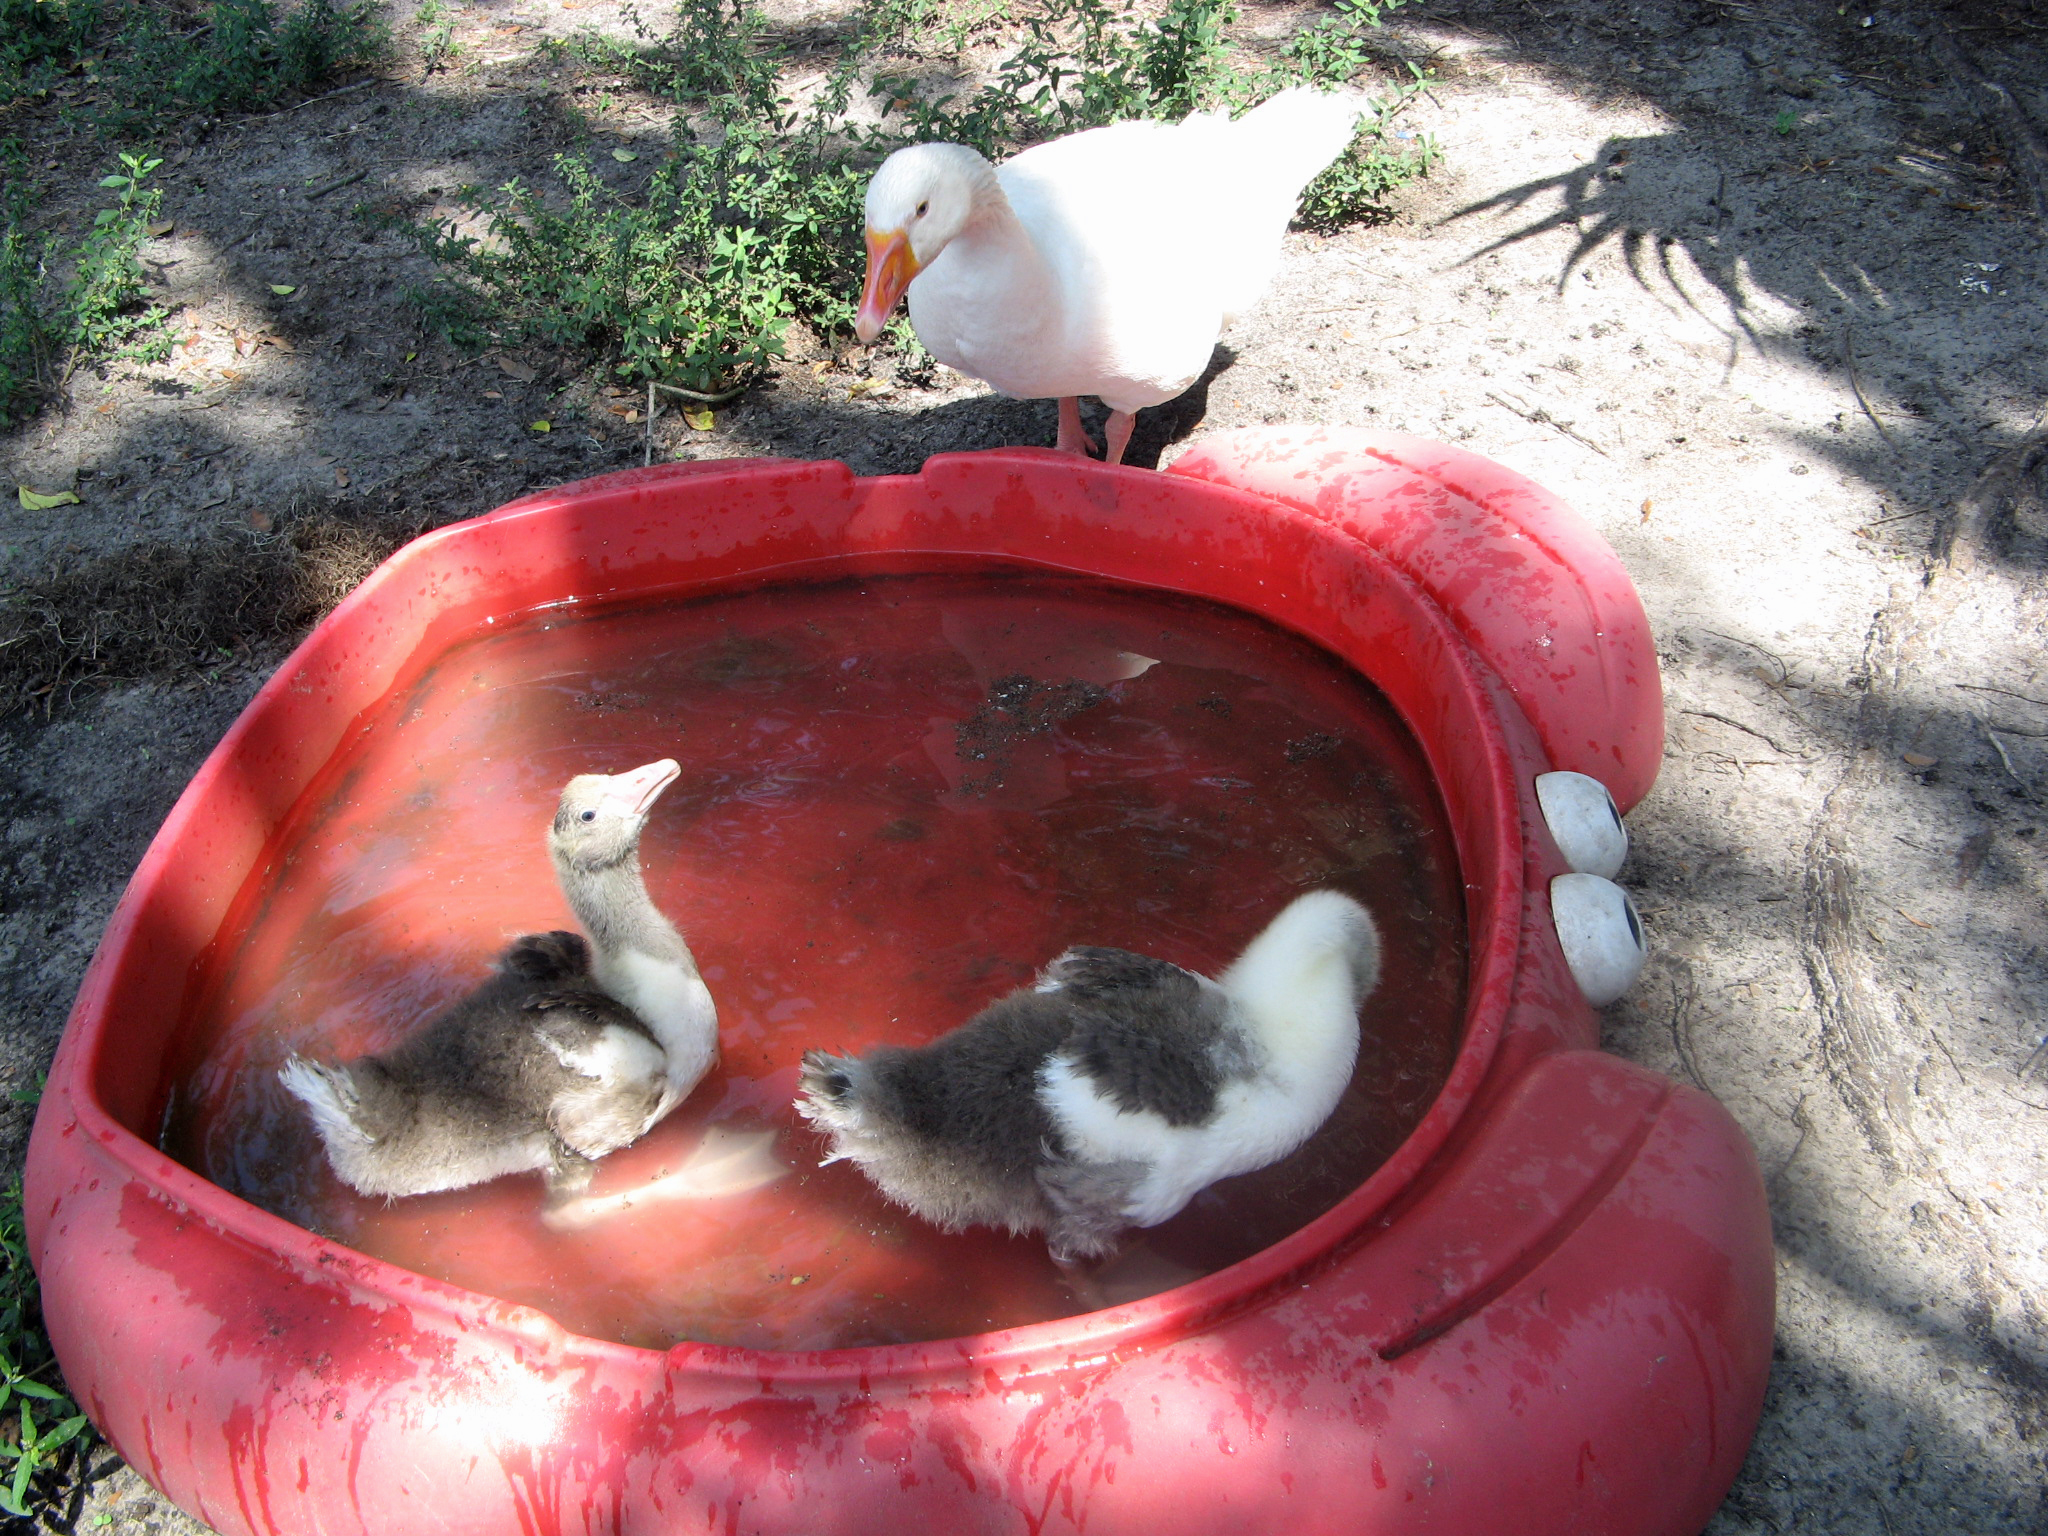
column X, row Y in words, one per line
column 899, row 798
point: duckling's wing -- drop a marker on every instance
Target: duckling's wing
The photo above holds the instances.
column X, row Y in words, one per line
column 617, row 1074
column 1147, row 1036
column 1090, row 971
column 329, row 1094
column 569, row 1011
column 547, row 957
column 599, row 1117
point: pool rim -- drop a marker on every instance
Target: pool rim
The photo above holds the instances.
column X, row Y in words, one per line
column 1495, row 920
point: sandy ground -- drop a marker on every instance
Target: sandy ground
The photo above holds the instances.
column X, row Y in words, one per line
column 1753, row 288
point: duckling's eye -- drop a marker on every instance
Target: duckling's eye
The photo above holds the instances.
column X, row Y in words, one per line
column 590, row 815
column 923, row 208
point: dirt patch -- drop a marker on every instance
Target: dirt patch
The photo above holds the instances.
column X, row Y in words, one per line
column 174, row 610
column 1756, row 289
column 1017, row 709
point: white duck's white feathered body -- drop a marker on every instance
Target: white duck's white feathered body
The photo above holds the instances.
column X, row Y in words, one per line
column 1105, row 263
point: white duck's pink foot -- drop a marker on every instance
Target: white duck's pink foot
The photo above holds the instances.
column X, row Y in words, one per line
column 1118, row 433
column 1073, row 436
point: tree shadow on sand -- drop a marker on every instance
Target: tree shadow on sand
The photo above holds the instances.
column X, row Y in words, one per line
column 1783, row 184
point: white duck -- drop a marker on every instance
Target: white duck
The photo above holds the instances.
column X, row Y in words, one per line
column 571, row 1051
column 1105, row 263
column 1113, row 1092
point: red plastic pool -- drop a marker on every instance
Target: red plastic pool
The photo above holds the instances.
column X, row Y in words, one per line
column 1546, row 1309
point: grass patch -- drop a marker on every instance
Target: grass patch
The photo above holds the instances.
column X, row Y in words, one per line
column 42, row 1433
column 64, row 304
column 129, row 68
column 751, row 217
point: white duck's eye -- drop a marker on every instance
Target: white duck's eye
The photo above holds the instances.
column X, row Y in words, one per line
column 923, row 208
column 590, row 815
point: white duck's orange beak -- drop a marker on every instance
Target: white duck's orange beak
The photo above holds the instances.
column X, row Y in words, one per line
column 891, row 266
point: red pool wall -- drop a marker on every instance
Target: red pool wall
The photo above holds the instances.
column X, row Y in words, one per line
column 1526, row 580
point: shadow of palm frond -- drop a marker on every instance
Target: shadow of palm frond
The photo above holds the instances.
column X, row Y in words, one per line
column 1596, row 200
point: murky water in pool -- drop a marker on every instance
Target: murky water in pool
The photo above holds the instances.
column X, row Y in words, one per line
column 899, row 798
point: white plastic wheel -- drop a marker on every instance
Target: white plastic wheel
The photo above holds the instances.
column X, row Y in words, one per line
column 1584, row 822
column 1600, row 934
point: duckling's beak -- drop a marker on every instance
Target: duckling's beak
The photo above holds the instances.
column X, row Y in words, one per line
column 891, row 266
column 633, row 794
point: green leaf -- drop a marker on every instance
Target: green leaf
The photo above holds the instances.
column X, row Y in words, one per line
column 114, row 181
column 37, row 1389
column 701, row 420
column 65, row 1432
column 624, row 155
column 540, row 426
column 284, row 289
column 38, row 501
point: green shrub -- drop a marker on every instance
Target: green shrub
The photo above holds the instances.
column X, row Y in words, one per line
column 672, row 292
column 62, row 305
column 151, row 64
column 40, row 39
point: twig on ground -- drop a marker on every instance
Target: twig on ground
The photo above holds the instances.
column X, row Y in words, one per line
column 1747, row 730
column 697, row 397
column 1798, row 1118
column 1987, row 688
column 1681, row 1021
column 1951, row 1055
column 1856, row 386
column 336, row 186
column 1543, row 418
column 311, row 100
column 1784, row 672
column 647, row 446
column 2005, row 758
column 1897, row 517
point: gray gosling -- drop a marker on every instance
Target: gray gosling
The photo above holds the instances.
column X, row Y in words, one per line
column 572, row 1050
column 1115, row 1090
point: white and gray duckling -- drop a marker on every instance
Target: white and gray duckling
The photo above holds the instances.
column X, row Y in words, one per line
column 1114, row 1091
column 571, row 1051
